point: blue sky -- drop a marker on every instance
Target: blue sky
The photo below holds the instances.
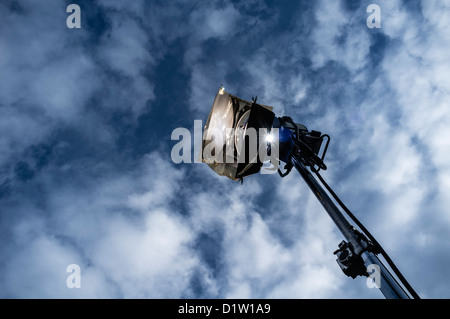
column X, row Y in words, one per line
column 86, row 117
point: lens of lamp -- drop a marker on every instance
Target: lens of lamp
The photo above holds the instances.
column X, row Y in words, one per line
column 239, row 134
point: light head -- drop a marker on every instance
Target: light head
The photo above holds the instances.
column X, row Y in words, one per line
column 240, row 135
column 233, row 134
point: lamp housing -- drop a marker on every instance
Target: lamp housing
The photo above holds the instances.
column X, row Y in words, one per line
column 233, row 134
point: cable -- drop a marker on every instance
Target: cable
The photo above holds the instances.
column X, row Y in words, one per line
column 372, row 239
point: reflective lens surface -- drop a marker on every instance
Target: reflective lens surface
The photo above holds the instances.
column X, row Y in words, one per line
column 218, row 127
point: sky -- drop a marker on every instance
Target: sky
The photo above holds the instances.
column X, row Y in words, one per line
column 86, row 176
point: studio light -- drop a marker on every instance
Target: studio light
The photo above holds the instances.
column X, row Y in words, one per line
column 233, row 135
column 237, row 132
column 269, row 138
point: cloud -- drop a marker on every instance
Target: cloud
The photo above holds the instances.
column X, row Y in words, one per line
column 157, row 251
column 107, row 236
column 78, row 186
column 215, row 21
column 387, row 159
column 339, row 36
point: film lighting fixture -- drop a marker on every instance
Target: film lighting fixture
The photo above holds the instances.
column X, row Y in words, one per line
column 239, row 136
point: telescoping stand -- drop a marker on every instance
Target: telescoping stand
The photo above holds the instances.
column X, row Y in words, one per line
column 296, row 147
column 299, row 148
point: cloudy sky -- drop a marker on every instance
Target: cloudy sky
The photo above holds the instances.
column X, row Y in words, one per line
column 86, row 117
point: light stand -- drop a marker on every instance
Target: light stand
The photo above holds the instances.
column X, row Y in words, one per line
column 353, row 259
column 299, row 148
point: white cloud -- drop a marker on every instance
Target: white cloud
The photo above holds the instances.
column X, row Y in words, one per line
column 126, row 54
column 254, row 258
column 333, row 40
column 415, row 71
column 157, row 252
column 125, row 249
column 50, row 76
column 39, row 271
column 124, row 223
column 214, row 21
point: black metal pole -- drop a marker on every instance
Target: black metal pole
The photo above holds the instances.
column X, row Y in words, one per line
column 390, row 288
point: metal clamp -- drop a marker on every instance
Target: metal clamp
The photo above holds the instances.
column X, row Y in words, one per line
column 351, row 264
